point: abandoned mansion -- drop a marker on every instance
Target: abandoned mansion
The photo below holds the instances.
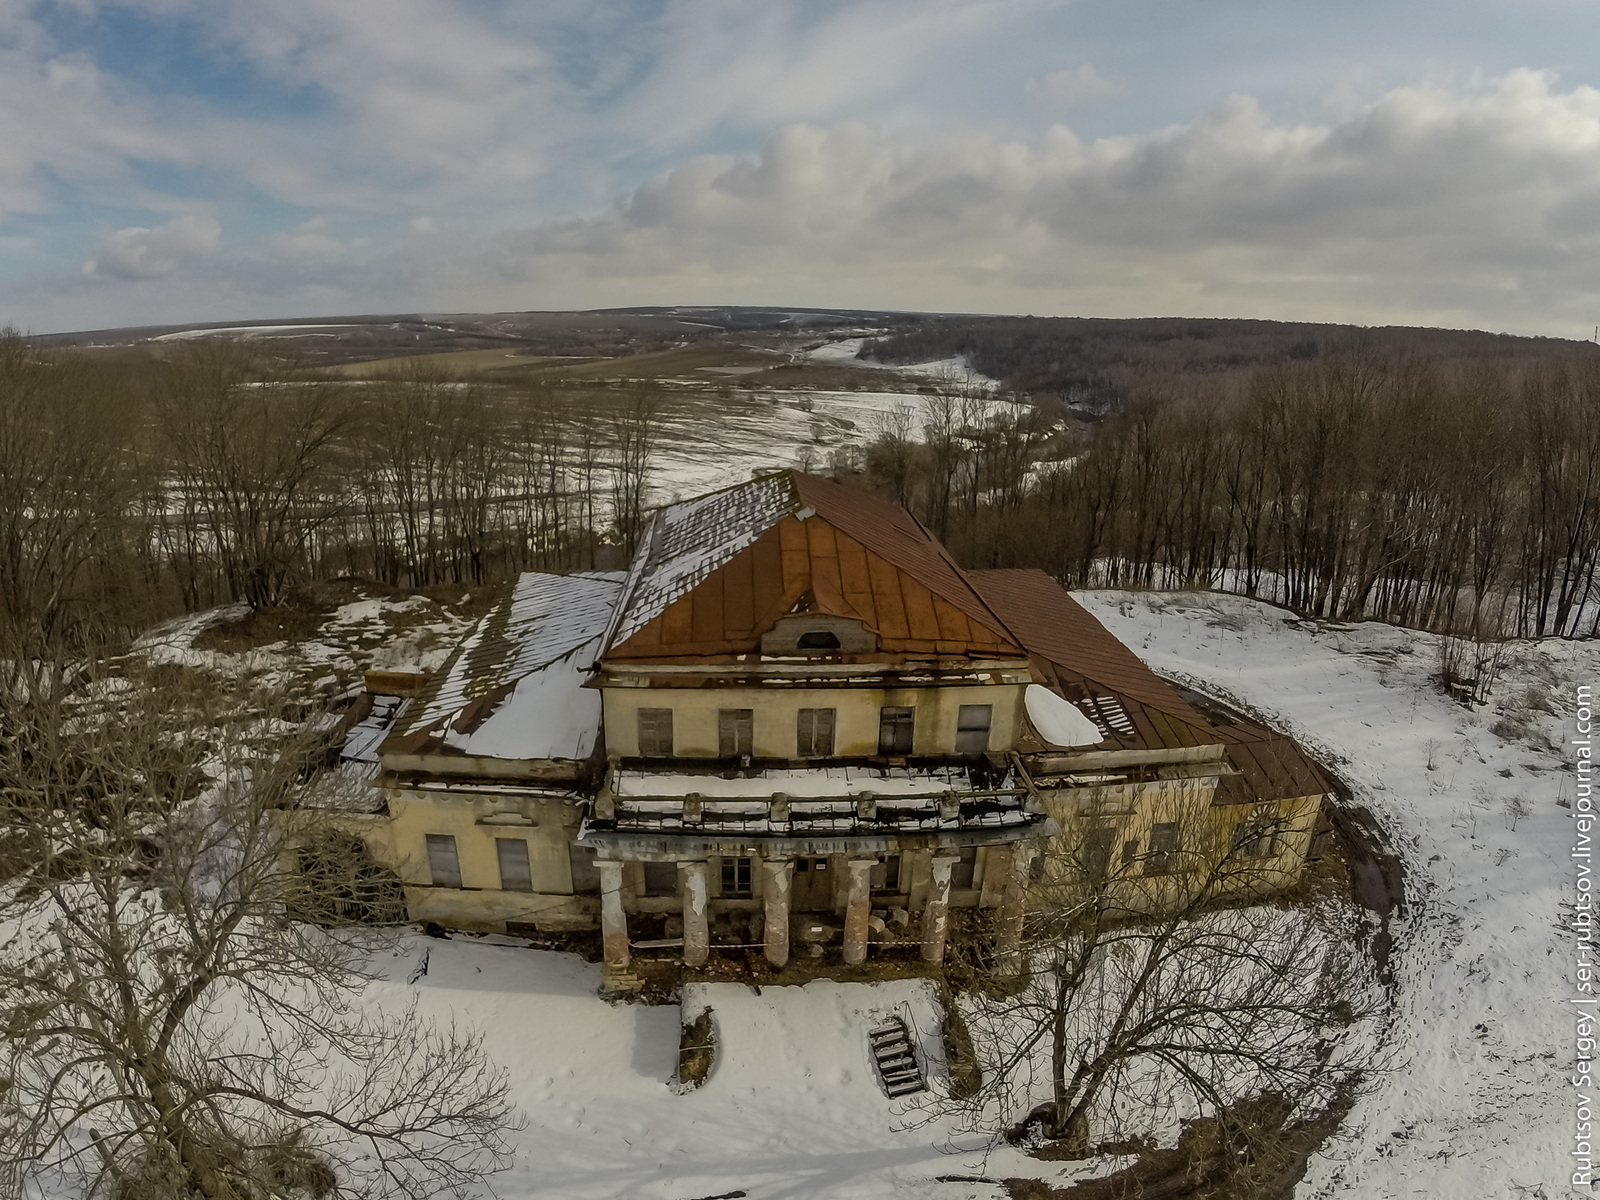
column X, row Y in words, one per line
column 793, row 726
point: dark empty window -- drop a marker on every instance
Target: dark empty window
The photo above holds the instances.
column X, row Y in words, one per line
column 443, row 865
column 1097, row 853
column 972, row 728
column 660, row 879
column 886, row 874
column 814, row 732
column 735, row 877
column 818, row 639
column 735, row 732
column 655, row 732
column 585, row 874
column 1163, row 849
column 1257, row 838
column 964, row 870
column 514, row 873
column 895, row 727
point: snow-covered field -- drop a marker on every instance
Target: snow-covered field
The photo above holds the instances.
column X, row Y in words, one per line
column 718, row 443
column 1478, row 1104
column 1476, row 1107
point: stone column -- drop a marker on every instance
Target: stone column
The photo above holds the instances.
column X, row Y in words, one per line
column 694, row 886
column 1013, row 907
column 858, row 907
column 613, row 920
column 777, row 874
column 936, row 912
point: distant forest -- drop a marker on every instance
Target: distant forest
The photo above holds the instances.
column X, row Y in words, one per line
column 1432, row 479
column 1446, row 481
column 1094, row 365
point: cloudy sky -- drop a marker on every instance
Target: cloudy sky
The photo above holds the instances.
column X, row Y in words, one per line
column 188, row 160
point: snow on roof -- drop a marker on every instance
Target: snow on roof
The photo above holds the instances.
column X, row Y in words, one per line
column 549, row 714
column 799, row 782
column 1058, row 721
column 687, row 541
column 548, row 622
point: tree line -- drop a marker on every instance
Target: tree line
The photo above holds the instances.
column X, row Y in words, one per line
column 1367, row 484
column 127, row 495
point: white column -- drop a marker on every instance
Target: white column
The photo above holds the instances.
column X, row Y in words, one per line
column 694, row 887
column 776, row 875
column 857, row 908
column 936, row 913
column 613, row 920
column 1013, row 908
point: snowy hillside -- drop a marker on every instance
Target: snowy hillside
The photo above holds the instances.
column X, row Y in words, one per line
column 1475, row 1108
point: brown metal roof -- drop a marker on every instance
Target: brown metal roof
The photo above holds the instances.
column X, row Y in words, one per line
column 838, row 552
column 1270, row 765
column 1084, row 660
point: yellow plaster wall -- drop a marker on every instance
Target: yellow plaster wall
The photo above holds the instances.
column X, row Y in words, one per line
column 694, row 716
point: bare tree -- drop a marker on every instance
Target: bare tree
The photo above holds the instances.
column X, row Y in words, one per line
column 1154, row 991
column 252, row 448
column 634, row 426
column 168, row 1032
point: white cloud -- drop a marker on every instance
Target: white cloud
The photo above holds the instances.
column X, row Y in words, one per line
column 138, row 253
column 1061, row 91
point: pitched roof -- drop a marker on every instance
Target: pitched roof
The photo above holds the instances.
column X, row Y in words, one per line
column 715, row 573
column 1084, row 661
column 542, row 625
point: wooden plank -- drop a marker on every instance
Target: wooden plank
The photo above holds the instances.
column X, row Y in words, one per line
column 796, row 552
column 767, row 567
column 954, row 625
column 825, row 582
column 705, row 608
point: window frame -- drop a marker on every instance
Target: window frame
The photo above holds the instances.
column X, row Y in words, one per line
column 892, row 718
column 1159, row 858
column 736, row 732
column 808, row 743
column 736, row 877
column 964, row 728
column 442, row 843
column 651, row 722
column 514, row 845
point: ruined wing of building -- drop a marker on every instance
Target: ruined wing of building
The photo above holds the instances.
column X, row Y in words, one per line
column 793, row 725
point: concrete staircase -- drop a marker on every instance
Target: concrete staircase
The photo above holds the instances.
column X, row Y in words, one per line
column 895, row 1057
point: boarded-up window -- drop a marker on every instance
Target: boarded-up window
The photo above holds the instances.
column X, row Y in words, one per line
column 585, row 873
column 972, row 728
column 660, row 879
column 886, row 874
column 735, row 732
column 895, row 729
column 965, row 869
column 1097, row 852
column 1163, row 849
column 443, row 865
column 514, row 873
column 814, row 732
column 735, row 877
column 655, row 732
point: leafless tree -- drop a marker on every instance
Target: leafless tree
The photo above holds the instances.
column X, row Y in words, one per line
column 168, row 1031
column 1156, row 991
column 252, row 448
column 633, row 426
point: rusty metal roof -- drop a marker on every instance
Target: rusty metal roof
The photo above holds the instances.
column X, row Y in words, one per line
column 544, row 621
column 791, row 543
column 1083, row 660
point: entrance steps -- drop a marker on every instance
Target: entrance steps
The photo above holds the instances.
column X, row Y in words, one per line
column 895, row 1058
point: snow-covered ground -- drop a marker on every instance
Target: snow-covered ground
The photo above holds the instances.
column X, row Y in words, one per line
column 792, row 1109
column 947, row 370
column 1478, row 1104
column 718, row 443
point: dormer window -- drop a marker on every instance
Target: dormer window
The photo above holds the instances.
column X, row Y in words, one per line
column 818, row 639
